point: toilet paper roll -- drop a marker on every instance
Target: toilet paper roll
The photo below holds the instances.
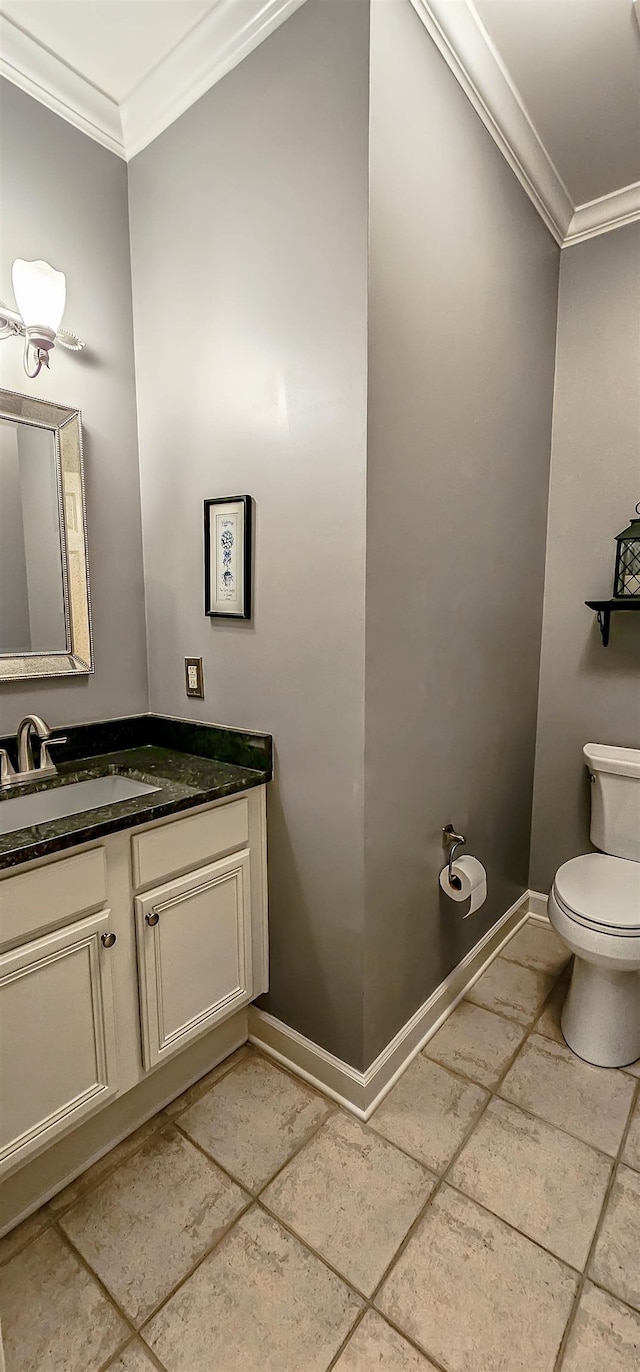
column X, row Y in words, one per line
column 473, row 882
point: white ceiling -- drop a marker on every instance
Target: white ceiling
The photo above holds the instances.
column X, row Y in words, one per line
column 114, row 44
column 576, row 65
column 556, row 82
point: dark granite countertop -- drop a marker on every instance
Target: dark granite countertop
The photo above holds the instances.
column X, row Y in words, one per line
column 191, row 764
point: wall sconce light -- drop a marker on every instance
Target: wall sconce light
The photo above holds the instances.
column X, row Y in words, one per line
column 40, row 294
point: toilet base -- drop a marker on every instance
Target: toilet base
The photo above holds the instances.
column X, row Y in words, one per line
column 601, row 1016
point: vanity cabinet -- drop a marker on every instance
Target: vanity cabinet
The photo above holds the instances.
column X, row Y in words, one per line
column 116, row 959
column 58, row 1034
column 194, row 952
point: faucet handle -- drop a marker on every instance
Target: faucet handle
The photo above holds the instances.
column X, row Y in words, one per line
column 7, row 769
column 46, row 761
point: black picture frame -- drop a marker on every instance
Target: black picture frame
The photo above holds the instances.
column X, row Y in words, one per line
column 218, row 601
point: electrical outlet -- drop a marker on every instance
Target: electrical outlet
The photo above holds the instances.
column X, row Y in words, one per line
column 194, row 677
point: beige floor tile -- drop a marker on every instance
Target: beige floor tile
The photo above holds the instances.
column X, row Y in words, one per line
column 376, row 1346
column 537, row 947
column 633, row 1069
column 93, row 1175
column 631, row 1154
column 592, row 1103
column 261, row 1302
column 55, row 1318
column 23, row 1234
column 134, row 1359
column 515, row 991
column 352, row 1196
column 477, row 1296
column 429, row 1112
column 549, row 1022
column 542, row 1181
column 476, row 1042
column 254, row 1119
column 148, row 1222
column 605, row 1336
column 616, row 1261
column 204, row 1084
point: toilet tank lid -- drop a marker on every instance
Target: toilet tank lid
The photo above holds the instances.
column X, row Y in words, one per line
column 601, row 888
column 603, row 757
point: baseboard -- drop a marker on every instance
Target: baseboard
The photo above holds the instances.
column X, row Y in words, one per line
column 538, row 907
column 362, row 1092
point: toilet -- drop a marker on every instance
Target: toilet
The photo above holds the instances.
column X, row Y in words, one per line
column 594, row 906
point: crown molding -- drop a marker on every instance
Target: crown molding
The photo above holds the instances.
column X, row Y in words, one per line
column 461, row 37
column 37, row 71
column 607, row 212
column 222, row 38
column 459, row 34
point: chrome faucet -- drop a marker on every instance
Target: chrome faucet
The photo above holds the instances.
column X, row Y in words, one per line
column 30, row 725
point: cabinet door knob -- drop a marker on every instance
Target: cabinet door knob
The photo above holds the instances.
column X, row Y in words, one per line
column 152, row 918
column 108, row 940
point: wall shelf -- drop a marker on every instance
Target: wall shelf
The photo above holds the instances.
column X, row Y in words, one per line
column 604, row 610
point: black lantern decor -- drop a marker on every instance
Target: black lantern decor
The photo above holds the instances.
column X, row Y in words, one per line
column 626, row 581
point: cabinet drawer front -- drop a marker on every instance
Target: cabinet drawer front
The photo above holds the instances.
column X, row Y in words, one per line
column 57, row 1036
column 188, row 843
column 194, row 947
column 52, row 893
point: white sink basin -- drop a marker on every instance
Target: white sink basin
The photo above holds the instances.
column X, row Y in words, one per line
column 22, row 812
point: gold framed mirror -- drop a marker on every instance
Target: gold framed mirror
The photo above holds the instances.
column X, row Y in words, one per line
column 45, row 604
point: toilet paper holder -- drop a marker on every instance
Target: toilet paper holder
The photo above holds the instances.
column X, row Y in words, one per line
column 456, row 841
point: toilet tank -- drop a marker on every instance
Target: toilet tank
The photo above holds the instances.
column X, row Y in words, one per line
column 615, row 799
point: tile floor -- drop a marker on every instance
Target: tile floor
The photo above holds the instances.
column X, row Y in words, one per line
column 487, row 1219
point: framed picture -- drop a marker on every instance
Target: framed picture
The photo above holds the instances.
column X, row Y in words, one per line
column 227, row 557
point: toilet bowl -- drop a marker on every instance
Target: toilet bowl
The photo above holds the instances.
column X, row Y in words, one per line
column 594, row 906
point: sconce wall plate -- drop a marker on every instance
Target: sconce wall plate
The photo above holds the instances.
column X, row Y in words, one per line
column 40, row 293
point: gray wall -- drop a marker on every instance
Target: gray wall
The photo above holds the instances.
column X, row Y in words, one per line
column 587, row 693
column 462, row 311
column 64, row 198
column 249, row 251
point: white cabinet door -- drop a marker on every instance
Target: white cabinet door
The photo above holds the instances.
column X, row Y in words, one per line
column 57, row 1036
column 194, row 950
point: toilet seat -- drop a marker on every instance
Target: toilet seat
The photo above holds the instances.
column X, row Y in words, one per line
column 601, row 892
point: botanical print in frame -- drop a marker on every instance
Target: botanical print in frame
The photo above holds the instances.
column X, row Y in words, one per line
column 227, row 557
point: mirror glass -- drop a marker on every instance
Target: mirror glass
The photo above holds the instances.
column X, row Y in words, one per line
column 45, row 605
column 32, row 614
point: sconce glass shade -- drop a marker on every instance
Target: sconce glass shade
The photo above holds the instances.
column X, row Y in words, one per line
column 40, row 294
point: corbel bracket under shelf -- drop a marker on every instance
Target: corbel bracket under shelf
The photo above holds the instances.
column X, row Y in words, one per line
column 605, row 608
